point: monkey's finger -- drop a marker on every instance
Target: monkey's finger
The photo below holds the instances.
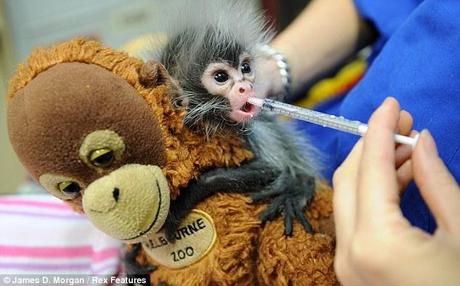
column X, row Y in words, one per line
column 288, row 215
column 272, row 210
column 437, row 185
column 267, row 193
column 303, row 220
column 344, row 200
column 149, row 269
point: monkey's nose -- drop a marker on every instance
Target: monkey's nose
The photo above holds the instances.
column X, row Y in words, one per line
column 242, row 90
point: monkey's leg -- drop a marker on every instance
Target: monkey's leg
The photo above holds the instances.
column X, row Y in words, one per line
column 245, row 179
column 291, row 195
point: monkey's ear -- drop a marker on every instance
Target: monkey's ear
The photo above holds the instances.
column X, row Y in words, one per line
column 153, row 74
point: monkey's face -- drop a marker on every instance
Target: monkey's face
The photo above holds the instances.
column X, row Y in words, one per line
column 87, row 136
column 234, row 82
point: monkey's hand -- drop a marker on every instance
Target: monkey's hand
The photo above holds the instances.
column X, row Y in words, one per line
column 245, row 179
column 290, row 196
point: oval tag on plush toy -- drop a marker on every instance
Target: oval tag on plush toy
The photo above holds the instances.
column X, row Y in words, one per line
column 194, row 239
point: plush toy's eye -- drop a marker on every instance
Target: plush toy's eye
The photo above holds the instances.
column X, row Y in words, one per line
column 63, row 187
column 101, row 157
column 69, row 187
column 101, row 148
column 245, row 68
column 221, row 76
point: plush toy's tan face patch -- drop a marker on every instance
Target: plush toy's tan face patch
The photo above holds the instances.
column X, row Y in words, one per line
column 80, row 128
column 137, row 190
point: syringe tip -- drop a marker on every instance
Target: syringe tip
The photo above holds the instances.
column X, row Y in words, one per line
column 256, row 101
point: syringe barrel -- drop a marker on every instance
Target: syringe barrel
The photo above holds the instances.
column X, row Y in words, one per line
column 326, row 120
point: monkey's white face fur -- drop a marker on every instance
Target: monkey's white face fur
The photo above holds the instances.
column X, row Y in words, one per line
column 237, row 85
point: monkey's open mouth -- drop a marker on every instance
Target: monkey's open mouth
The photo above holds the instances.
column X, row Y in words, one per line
column 247, row 107
column 245, row 113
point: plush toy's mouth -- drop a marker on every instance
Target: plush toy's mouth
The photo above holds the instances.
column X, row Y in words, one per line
column 155, row 218
column 112, row 207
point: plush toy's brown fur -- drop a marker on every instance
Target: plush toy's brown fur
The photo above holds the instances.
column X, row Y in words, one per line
column 186, row 152
column 246, row 252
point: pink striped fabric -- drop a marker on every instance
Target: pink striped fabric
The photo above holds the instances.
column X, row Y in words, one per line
column 40, row 234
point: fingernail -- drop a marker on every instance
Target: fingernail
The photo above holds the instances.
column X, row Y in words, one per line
column 428, row 143
column 387, row 100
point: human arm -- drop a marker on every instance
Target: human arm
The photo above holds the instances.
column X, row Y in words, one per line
column 375, row 243
column 323, row 35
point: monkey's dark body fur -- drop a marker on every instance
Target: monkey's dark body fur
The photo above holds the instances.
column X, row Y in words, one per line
column 280, row 173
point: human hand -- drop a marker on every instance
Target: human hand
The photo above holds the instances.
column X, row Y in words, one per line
column 376, row 245
column 268, row 83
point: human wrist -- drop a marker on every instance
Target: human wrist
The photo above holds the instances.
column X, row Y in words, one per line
column 280, row 68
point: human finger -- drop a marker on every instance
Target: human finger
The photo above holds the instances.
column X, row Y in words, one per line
column 405, row 123
column 437, row 186
column 344, row 200
column 404, row 175
column 403, row 151
column 378, row 189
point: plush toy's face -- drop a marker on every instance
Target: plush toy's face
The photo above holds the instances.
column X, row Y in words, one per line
column 85, row 134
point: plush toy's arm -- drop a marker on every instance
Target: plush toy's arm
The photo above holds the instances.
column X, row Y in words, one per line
column 249, row 178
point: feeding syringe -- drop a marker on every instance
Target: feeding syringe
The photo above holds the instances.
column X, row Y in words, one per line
column 323, row 119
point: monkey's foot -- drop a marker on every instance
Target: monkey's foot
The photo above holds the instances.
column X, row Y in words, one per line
column 289, row 200
column 170, row 226
column 132, row 267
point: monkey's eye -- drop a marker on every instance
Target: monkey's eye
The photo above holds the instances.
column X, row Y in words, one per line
column 69, row 188
column 245, row 68
column 221, row 76
column 101, row 157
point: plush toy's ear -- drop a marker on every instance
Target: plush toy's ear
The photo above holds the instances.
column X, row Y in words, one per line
column 153, row 74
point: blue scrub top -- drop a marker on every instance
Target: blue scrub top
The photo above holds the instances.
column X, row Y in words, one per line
column 419, row 64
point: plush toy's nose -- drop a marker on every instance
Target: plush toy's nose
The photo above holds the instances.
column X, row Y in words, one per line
column 116, row 194
column 105, row 202
column 129, row 203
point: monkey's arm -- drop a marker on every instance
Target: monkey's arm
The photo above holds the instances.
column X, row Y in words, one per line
column 248, row 178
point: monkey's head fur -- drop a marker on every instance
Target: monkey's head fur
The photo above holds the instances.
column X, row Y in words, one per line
column 202, row 33
column 97, row 129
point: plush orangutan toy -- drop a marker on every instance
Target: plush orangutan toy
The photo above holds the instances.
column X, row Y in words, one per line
column 97, row 129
